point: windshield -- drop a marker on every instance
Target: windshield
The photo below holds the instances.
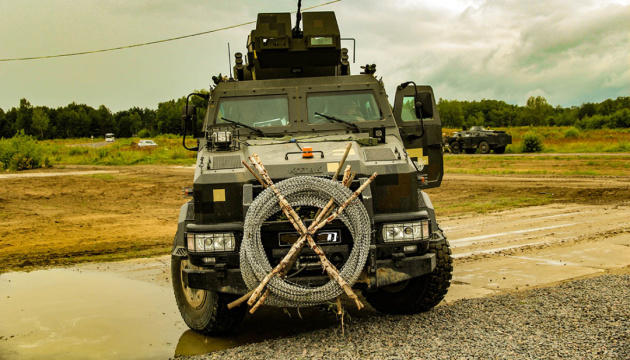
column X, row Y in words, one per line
column 348, row 106
column 256, row 111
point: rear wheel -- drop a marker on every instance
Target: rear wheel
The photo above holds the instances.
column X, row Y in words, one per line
column 484, row 148
column 418, row 294
column 455, row 149
column 499, row 150
column 203, row 310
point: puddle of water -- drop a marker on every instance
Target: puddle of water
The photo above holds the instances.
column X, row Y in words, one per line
column 72, row 314
column 80, row 315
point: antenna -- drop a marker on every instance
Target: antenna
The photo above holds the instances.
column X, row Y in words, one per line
column 230, row 61
column 297, row 33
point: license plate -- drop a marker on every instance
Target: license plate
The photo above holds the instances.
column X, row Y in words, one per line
column 322, row 237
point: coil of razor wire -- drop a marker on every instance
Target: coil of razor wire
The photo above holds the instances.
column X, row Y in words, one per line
column 302, row 191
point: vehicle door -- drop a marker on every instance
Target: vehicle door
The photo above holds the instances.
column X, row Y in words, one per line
column 422, row 139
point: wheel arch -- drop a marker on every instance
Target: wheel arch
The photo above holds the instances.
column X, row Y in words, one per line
column 186, row 216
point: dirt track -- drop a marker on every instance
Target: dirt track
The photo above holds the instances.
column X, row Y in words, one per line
column 132, row 211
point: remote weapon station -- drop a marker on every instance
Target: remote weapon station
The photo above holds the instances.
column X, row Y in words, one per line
column 308, row 184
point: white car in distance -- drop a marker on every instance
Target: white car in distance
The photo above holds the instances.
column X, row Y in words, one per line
column 147, row 143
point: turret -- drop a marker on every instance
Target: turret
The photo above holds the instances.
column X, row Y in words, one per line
column 275, row 51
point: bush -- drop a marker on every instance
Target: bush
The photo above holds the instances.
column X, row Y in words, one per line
column 571, row 133
column 21, row 152
column 532, row 142
column 144, row 133
column 102, row 153
column 78, row 151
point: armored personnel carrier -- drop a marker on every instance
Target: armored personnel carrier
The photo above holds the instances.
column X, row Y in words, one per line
column 294, row 103
column 478, row 138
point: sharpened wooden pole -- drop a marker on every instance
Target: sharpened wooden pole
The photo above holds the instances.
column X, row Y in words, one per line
column 255, row 175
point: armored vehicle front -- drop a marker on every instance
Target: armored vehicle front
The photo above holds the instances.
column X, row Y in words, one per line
column 295, row 105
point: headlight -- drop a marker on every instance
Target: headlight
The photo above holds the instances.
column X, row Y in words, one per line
column 410, row 231
column 213, row 242
column 222, row 137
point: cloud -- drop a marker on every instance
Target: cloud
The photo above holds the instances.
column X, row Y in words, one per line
column 568, row 51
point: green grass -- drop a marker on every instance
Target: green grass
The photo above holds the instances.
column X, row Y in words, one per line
column 120, row 153
column 554, row 139
column 495, row 204
column 106, row 177
column 586, row 165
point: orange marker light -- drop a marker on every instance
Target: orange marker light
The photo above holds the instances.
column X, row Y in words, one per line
column 307, row 152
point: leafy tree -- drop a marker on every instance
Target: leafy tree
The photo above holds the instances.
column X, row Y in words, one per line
column 24, row 116
column 102, row 121
column 40, row 121
column 621, row 118
column 125, row 127
column 7, row 121
column 538, row 111
column 169, row 116
column 451, row 113
column 587, row 109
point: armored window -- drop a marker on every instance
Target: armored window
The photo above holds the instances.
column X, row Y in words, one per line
column 349, row 106
column 408, row 109
column 257, row 111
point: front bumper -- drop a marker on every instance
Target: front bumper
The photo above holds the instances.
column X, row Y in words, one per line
column 387, row 272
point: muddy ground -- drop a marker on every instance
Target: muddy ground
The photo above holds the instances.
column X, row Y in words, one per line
column 113, row 213
column 507, row 233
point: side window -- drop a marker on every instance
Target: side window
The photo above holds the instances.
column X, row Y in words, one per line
column 408, row 109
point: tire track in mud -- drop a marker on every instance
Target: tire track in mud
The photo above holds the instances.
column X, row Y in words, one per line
column 539, row 246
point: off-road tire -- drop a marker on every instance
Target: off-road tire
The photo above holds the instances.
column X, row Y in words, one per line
column 499, row 150
column 418, row 294
column 211, row 316
column 470, row 151
column 455, row 148
column 484, row 148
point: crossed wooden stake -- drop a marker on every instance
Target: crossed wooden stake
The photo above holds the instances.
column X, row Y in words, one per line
column 257, row 296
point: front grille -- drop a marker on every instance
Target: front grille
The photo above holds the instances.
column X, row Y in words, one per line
column 226, row 162
column 379, row 154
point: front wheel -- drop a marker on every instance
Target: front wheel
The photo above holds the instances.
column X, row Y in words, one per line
column 455, row 149
column 203, row 310
column 484, row 148
column 418, row 294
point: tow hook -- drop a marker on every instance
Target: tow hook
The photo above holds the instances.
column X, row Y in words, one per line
column 398, row 257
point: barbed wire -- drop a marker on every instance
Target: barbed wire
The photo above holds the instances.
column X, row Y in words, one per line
column 150, row 42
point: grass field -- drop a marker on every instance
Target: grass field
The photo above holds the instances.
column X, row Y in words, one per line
column 121, row 152
column 563, row 140
column 569, row 140
column 566, row 165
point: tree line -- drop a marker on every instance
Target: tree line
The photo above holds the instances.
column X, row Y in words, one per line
column 80, row 120
column 537, row 112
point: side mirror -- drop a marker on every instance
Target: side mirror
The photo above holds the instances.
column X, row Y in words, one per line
column 188, row 115
column 424, row 105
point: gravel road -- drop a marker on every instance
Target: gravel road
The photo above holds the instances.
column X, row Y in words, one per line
column 583, row 319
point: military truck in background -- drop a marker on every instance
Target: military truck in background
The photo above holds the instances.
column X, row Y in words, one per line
column 293, row 90
column 478, row 138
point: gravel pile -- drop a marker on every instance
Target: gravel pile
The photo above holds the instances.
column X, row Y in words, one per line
column 585, row 319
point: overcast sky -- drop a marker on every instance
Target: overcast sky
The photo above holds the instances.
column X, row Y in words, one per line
column 570, row 52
